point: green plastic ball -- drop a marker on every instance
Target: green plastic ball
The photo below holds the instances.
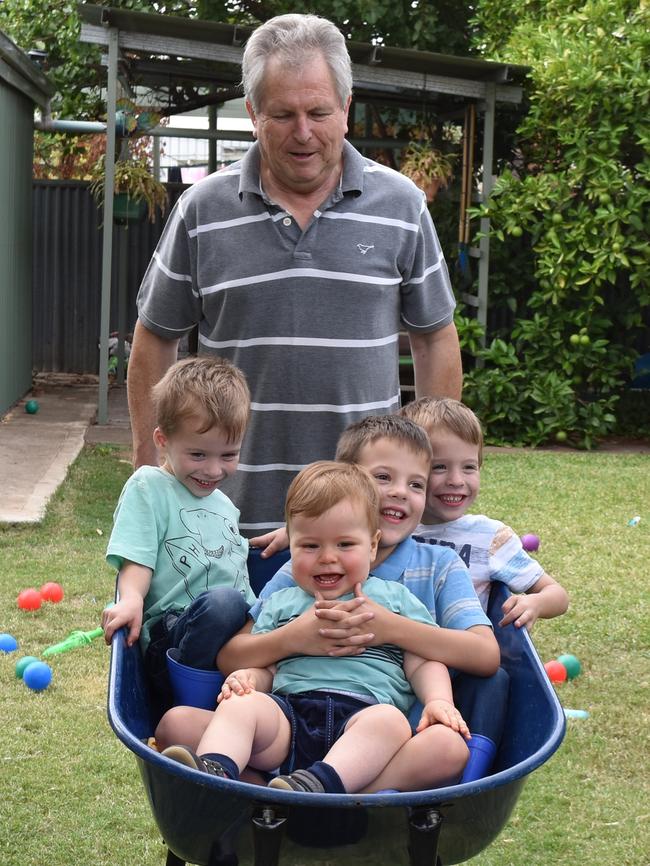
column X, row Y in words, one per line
column 572, row 665
column 32, row 407
column 23, row 663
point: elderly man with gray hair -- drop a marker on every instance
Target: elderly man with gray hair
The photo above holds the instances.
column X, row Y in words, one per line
column 300, row 264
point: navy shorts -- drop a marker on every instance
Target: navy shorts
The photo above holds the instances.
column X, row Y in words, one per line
column 317, row 720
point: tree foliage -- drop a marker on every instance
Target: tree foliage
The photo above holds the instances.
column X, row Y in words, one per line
column 53, row 26
column 570, row 220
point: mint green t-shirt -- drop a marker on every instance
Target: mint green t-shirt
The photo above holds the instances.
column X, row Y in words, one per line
column 191, row 543
column 377, row 673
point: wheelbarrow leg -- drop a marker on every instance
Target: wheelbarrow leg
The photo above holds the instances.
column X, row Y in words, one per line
column 424, row 831
column 173, row 860
column 268, row 828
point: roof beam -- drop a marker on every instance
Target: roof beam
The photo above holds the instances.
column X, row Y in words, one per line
column 375, row 76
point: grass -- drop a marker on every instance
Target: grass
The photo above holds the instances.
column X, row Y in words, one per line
column 71, row 791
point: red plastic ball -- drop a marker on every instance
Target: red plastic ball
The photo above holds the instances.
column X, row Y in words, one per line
column 52, row 591
column 556, row 671
column 29, row 599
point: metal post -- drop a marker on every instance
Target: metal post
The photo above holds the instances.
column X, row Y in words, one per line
column 107, row 246
column 156, row 159
column 122, row 300
column 488, row 182
column 212, row 144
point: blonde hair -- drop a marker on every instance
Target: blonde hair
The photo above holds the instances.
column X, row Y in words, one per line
column 375, row 427
column 322, row 485
column 443, row 413
column 209, row 388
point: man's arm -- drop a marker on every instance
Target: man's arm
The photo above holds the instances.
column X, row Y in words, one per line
column 436, row 363
column 151, row 356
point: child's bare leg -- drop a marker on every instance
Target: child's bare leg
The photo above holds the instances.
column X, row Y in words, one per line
column 434, row 757
column 185, row 726
column 182, row 726
column 371, row 738
column 249, row 729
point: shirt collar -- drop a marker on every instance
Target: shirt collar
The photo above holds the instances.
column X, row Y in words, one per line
column 353, row 165
column 249, row 178
column 394, row 566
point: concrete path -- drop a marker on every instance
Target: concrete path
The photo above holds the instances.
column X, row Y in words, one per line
column 36, row 450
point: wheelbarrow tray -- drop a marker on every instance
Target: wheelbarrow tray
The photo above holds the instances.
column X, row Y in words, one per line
column 209, row 821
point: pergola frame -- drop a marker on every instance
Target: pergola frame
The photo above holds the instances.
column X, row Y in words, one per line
column 213, row 52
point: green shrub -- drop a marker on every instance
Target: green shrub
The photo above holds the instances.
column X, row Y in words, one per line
column 570, row 223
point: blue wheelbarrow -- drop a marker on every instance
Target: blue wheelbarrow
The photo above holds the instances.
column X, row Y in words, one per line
column 209, row 821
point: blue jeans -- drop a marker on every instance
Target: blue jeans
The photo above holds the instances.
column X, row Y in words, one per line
column 481, row 701
column 198, row 633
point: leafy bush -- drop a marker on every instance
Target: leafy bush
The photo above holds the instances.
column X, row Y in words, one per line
column 570, row 217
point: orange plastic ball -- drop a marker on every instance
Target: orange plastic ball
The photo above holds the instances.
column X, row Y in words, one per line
column 29, row 599
column 556, row 671
column 52, row 591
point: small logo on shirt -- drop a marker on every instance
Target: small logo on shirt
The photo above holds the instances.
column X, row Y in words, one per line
column 363, row 248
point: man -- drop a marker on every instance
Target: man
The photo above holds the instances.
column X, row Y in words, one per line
column 300, row 265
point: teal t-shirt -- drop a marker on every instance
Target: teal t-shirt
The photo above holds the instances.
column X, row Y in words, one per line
column 191, row 543
column 377, row 673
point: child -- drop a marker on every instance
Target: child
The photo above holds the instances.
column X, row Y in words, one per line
column 333, row 723
column 183, row 583
column 398, row 455
column 490, row 549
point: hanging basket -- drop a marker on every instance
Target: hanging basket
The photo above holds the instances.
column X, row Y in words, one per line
column 127, row 209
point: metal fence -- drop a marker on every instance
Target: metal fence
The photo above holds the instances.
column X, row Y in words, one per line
column 66, row 270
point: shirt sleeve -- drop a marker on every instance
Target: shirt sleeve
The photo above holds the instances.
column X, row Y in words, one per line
column 135, row 528
column 169, row 300
column 510, row 563
column 427, row 299
column 411, row 607
column 266, row 620
column 457, row 605
column 280, row 580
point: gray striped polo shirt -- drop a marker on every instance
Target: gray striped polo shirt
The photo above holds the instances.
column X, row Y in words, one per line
column 312, row 317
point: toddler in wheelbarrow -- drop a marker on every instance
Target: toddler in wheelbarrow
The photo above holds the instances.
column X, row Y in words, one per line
column 333, row 724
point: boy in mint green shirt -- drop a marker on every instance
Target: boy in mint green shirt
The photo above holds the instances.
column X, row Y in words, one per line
column 183, row 582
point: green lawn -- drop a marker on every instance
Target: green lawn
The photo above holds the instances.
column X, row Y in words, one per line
column 72, row 793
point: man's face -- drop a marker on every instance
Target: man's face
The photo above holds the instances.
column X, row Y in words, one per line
column 300, row 127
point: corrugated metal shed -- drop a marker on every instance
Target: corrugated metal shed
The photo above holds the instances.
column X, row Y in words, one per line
column 21, row 85
column 67, row 274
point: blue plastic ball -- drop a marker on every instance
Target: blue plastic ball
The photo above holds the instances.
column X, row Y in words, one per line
column 37, row 676
column 8, row 643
